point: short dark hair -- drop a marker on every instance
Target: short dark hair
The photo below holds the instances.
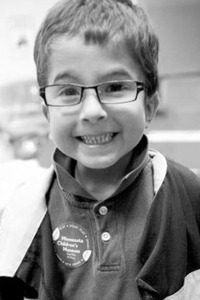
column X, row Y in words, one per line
column 100, row 21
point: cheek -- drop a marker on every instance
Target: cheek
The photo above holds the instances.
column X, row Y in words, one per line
column 134, row 120
column 135, row 130
column 59, row 126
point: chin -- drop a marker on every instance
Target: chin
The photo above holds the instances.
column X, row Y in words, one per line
column 98, row 163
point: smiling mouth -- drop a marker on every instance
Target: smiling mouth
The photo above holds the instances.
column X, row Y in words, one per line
column 97, row 139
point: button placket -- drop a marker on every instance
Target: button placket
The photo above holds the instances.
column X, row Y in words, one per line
column 109, row 244
column 105, row 235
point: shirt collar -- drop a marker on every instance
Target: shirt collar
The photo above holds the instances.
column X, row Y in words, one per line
column 65, row 170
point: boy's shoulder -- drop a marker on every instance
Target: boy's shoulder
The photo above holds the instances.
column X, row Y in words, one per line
column 175, row 173
column 181, row 172
column 173, row 168
column 186, row 183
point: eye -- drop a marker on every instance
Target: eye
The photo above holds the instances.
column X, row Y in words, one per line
column 68, row 91
column 116, row 87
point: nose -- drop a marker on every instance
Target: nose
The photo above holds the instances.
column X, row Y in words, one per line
column 91, row 109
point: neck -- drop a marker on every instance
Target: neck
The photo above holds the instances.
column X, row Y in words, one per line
column 102, row 183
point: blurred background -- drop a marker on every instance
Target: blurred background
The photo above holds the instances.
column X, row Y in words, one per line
column 176, row 128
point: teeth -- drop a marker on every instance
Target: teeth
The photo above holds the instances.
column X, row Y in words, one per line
column 97, row 139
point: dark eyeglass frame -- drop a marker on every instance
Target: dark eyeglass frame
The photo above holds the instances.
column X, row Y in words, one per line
column 140, row 87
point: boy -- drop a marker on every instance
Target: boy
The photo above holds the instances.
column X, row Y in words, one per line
column 112, row 220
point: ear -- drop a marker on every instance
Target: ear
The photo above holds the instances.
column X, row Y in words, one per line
column 151, row 105
column 45, row 110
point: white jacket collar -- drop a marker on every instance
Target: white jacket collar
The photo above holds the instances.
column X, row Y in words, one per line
column 159, row 168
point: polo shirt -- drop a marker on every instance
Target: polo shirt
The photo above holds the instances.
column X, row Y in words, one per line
column 85, row 248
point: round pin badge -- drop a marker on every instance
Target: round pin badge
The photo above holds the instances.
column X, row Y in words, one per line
column 72, row 244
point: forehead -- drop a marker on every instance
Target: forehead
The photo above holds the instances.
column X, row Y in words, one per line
column 73, row 59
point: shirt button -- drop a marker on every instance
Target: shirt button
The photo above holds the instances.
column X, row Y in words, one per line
column 105, row 236
column 103, row 210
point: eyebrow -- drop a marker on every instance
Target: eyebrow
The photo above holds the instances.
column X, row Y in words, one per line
column 68, row 75
column 65, row 76
column 116, row 74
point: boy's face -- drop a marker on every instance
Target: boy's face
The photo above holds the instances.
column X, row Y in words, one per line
column 96, row 135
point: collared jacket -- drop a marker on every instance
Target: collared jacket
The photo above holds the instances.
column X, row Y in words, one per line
column 170, row 246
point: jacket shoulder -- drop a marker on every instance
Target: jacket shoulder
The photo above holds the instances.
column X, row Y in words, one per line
column 183, row 174
column 16, row 175
column 187, row 185
column 22, row 210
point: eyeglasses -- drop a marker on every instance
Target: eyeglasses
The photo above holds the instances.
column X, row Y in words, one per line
column 112, row 92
